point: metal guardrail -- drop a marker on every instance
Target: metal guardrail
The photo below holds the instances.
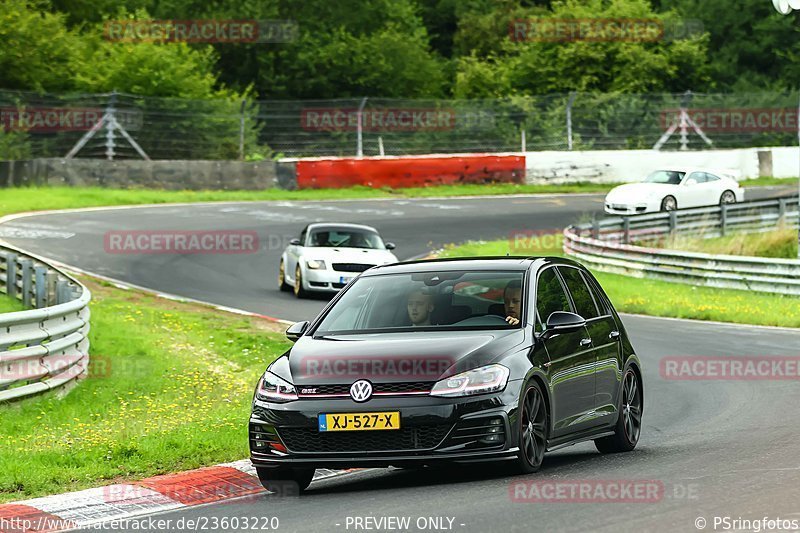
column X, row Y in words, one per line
column 46, row 347
column 605, row 245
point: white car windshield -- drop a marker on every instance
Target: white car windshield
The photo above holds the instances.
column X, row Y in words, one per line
column 426, row 301
column 669, row 177
column 345, row 238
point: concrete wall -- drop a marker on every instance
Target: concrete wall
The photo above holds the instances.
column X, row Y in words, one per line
column 633, row 165
column 173, row 175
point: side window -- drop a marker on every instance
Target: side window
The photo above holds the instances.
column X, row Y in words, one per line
column 699, row 177
column 600, row 297
column 584, row 303
column 550, row 296
column 711, row 177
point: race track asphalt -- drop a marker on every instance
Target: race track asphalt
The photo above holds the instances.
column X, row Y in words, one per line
column 716, row 448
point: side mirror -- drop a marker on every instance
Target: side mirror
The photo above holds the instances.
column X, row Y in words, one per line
column 296, row 330
column 390, row 246
column 563, row 322
column 295, row 242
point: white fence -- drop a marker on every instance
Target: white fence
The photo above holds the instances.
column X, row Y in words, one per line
column 46, row 347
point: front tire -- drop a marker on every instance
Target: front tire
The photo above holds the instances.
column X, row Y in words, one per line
column 533, row 430
column 285, row 287
column 629, row 423
column 669, row 203
column 285, row 481
column 299, row 291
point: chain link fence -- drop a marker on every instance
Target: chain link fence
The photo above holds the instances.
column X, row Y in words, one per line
column 35, row 125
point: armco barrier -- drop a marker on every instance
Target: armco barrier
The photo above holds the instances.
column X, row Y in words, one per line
column 409, row 171
column 605, row 245
column 47, row 347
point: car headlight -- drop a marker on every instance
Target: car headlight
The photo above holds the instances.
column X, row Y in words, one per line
column 485, row 379
column 315, row 264
column 275, row 389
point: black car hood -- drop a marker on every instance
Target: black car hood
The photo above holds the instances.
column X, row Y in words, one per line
column 393, row 357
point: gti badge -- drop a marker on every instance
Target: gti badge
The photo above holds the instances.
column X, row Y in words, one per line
column 361, row 390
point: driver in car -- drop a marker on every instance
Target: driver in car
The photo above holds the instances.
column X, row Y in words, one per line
column 512, row 300
column 420, row 307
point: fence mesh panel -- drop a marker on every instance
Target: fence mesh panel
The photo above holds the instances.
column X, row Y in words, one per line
column 36, row 125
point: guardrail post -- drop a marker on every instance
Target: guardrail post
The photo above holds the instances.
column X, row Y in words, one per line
column 61, row 285
column 41, row 285
column 27, row 281
column 781, row 208
column 723, row 219
column 595, row 227
column 626, row 231
column 11, row 275
column 673, row 221
column 51, row 278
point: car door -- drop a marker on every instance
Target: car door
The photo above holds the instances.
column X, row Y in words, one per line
column 571, row 362
column 604, row 334
column 692, row 191
column 713, row 189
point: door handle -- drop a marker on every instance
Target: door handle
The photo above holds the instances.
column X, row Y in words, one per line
column 614, row 335
column 586, row 342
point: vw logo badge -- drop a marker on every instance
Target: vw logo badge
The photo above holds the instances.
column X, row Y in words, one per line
column 361, row 390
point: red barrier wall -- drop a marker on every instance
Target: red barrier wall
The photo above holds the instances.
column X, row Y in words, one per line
column 399, row 172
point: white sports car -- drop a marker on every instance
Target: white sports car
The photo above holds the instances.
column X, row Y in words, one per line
column 328, row 255
column 666, row 190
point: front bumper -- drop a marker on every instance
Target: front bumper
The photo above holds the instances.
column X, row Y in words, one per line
column 618, row 208
column 326, row 280
column 441, row 430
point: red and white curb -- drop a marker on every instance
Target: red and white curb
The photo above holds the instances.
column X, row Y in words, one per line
column 138, row 498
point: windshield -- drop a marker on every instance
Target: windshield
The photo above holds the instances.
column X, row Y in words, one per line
column 427, row 301
column 669, row 177
column 345, row 238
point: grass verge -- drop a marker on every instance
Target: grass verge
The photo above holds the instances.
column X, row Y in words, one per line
column 9, row 305
column 660, row 298
column 781, row 243
column 169, row 389
column 15, row 200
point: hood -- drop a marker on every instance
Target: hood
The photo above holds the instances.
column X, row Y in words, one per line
column 350, row 255
column 393, row 357
column 636, row 192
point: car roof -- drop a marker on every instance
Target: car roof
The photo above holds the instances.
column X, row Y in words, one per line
column 687, row 170
column 500, row 263
column 321, row 225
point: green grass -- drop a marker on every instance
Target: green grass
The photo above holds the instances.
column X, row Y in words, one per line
column 769, row 182
column 16, row 200
column 9, row 305
column 169, row 389
column 655, row 297
column 781, row 243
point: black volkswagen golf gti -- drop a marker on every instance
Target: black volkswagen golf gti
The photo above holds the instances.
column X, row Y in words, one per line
column 465, row 360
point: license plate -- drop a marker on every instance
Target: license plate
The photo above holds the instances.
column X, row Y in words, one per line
column 359, row 421
column 344, row 280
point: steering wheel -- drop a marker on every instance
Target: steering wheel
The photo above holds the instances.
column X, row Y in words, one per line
column 485, row 320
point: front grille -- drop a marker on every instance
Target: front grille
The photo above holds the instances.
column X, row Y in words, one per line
column 412, row 438
column 389, row 388
column 351, row 267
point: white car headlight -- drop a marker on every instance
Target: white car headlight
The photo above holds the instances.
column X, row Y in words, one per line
column 275, row 389
column 491, row 378
column 315, row 264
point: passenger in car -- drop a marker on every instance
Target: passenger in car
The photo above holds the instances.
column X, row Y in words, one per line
column 512, row 300
column 420, row 306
